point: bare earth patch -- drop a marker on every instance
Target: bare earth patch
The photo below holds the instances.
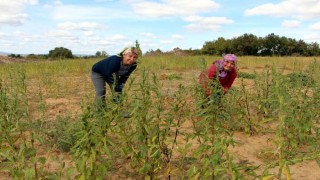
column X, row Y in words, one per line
column 252, row 149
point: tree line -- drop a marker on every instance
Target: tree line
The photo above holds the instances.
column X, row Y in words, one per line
column 59, row 53
column 244, row 45
column 251, row 45
column 270, row 45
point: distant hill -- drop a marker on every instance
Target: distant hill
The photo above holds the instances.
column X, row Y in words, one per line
column 4, row 59
column 4, row 53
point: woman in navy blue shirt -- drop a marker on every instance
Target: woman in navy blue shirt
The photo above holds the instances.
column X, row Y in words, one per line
column 114, row 71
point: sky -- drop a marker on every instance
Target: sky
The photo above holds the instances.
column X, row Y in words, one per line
column 88, row 26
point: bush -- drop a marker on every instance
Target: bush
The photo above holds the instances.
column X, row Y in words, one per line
column 246, row 75
column 15, row 56
column 299, row 80
column 62, row 133
column 60, row 53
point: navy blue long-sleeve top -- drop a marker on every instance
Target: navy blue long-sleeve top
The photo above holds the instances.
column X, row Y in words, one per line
column 108, row 68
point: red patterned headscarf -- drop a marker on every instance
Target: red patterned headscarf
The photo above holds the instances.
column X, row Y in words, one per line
column 219, row 64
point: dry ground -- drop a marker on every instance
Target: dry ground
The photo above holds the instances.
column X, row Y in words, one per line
column 248, row 148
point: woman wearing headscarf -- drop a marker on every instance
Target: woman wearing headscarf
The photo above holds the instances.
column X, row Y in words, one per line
column 114, row 71
column 219, row 78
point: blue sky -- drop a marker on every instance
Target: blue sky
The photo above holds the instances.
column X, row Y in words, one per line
column 88, row 26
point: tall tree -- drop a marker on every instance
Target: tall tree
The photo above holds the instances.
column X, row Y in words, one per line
column 98, row 54
column 247, row 44
column 301, row 48
column 209, row 48
column 272, row 44
column 313, row 49
column 60, row 53
column 222, row 46
column 104, row 54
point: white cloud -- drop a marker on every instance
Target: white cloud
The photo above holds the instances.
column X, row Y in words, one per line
column 32, row 2
column 314, row 37
column 88, row 33
column 306, row 9
column 290, row 24
column 315, row 26
column 127, row 43
column 57, row 2
column 117, row 40
column 199, row 23
column 73, row 12
column 166, row 41
column 148, row 35
column 88, row 26
column 149, row 45
column 18, row 33
column 60, row 36
column 85, row 13
column 167, row 8
column 3, row 35
column 17, row 40
column 268, row 9
column 177, row 37
column 12, row 11
column 104, row 0
column 13, row 19
column 58, row 33
column 118, row 37
column 53, row 4
column 83, row 26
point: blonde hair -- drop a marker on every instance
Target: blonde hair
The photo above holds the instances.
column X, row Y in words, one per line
column 130, row 49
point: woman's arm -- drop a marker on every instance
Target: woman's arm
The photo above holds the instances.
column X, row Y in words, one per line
column 212, row 71
column 122, row 79
column 230, row 79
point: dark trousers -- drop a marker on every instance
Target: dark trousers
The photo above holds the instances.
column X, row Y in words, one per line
column 100, row 88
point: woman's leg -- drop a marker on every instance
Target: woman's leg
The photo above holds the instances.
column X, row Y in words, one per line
column 100, row 88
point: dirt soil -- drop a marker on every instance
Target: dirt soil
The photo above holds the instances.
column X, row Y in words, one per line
column 9, row 60
column 248, row 148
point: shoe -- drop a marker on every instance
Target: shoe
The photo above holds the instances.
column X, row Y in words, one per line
column 126, row 115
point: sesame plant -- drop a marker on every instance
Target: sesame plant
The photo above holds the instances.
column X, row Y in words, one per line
column 264, row 92
column 17, row 149
column 173, row 132
column 142, row 134
column 212, row 158
column 91, row 150
column 250, row 123
column 295, row 127
column 214, row 137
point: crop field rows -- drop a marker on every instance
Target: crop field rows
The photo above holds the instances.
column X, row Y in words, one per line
column 267, row 126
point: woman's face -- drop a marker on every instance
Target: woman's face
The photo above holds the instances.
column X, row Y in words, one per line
column 129, row 58
column 228, row 65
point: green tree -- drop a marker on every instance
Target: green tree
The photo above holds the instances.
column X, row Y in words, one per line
column 209, row 48
column 271, row 44
column 218, row 47
column 301, row 48
column 60, row 53
column 32, row 56
column 101, row 54
column 98, row 54
column 246, row 44
column 313, row 49
column 15, row 56
column 284, row 46
column 104, row 54
column 222, row 46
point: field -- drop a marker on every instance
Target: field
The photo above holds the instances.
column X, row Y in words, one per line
column 267, row 127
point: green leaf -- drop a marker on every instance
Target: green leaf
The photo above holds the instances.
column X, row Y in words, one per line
column 42, row 160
